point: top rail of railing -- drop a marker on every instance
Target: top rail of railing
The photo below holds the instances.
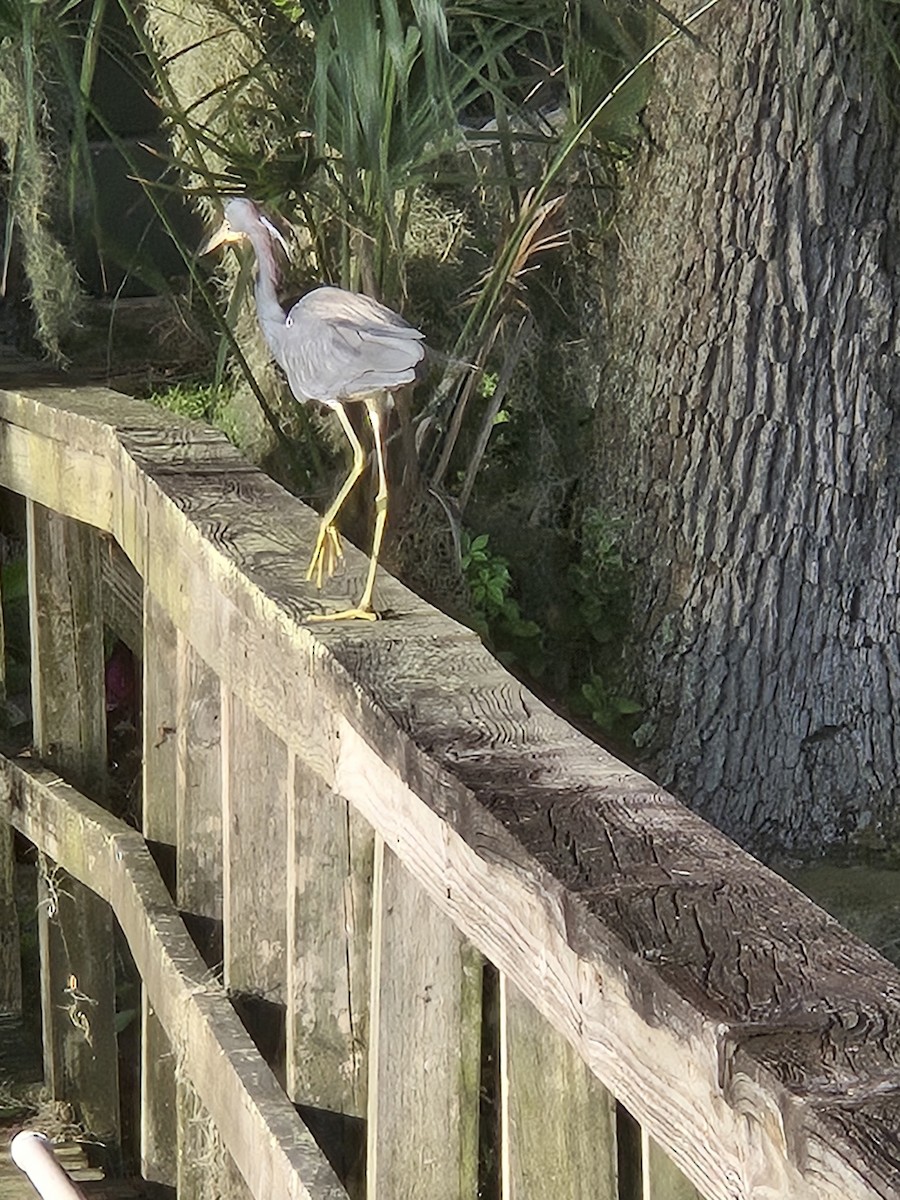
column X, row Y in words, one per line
column 752, row 1036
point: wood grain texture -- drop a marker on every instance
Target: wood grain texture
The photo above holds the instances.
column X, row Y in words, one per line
column 123, row 594
column 159, row 790
column 159, row 1100
column 754, row 1039
column 78, row 1002
column 254, row 853
column 198, row 785
column 67, row 662
column 159, row 733
column 273, row 1149
column 424, row 1048
column 558, row 1121
column 10, row 955
column 78, row 995
column 330, row 855
column 662, row 1179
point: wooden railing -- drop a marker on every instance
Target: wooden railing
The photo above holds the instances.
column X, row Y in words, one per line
column 476, row 951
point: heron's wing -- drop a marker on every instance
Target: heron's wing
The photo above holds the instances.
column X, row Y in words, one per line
column 335, row 304
column 337, row 344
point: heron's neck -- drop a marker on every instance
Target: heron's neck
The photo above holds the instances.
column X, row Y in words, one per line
column 268, row 307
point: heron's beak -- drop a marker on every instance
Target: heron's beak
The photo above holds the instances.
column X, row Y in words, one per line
column 223, row 236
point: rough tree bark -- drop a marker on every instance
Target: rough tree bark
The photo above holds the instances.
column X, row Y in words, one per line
column 748, row 429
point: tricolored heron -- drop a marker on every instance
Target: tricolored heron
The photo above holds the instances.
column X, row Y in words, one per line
column 336, row 347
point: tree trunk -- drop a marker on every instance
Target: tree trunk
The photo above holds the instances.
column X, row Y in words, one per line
column 747, row 428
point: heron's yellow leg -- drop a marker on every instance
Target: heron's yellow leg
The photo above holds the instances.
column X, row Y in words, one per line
column 328, row 542
column 364, row 610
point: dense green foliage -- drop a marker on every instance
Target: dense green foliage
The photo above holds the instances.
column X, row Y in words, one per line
column 440, row 155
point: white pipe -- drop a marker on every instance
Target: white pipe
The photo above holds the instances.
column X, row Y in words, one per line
column 33, row 1154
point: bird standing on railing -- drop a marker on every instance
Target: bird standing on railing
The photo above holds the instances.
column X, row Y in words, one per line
column 334, row 346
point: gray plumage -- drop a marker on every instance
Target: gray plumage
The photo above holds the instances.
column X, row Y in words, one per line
column 333, row 345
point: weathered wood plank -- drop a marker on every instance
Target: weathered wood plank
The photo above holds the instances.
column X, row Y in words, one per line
column 425, row 1041
column 329, row 913
column 10, row 958
column 159, row 1102
column 198, row 785
column 67, row 664
column 159, row 1122
column 662, row 1051
column 558, row 1132
column 78, row 1000
column 254, row 855
column 199, row 880
column 564, row 866
column 122, row 596
column 159, row 734
column 272, row 1148
column 329, row 927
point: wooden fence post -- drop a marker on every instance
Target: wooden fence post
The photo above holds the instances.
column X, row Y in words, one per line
column 10, row 958
column 424, row 1050
column 558, row 1131
column 199, row 787
column 159, row 1122
column 254, row 854
column 204, row 1167
column 69, row 710
column 330, row 851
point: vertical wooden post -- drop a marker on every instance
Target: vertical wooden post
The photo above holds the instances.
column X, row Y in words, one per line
column 330, row 852
column 10, row 958
column 254, row 851
column 424, row 1049
column 159, row 1123
column 67, row 664
column 160, row 725
column 199, row 786
column 198, row 777
column 69, row 710
column 558, row 1132
column 662, row 1179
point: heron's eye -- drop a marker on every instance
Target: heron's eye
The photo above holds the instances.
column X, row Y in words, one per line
column 288, row 320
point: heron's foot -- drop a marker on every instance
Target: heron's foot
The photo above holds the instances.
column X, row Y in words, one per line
column 326, row 555
column 349, row 614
